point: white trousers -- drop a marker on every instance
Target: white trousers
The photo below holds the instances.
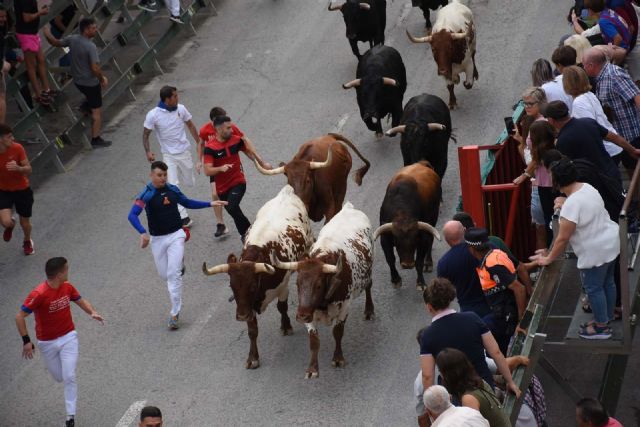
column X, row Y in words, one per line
column 180, row 170
column 173, row 6
column 168, row 253
column 60, row 357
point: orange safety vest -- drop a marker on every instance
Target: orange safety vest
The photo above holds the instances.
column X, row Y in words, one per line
column 491, row 259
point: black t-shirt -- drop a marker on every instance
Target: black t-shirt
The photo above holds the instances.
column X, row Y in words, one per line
column 462, row 331
column 67, row 15
column 582, row 139
column 26, row 6
column 161, row 205
column 610, row 189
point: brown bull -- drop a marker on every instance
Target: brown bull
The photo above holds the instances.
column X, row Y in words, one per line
column 321, row 185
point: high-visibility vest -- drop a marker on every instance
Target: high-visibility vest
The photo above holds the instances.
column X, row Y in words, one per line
column 491, row 259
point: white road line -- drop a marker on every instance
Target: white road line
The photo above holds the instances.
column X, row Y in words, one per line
column 131, row 413
column 194, row 331
column 341, row 123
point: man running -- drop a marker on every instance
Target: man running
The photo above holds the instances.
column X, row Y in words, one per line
column 208, row 132
column 57, row 337
column 14, row 188
column 160, row 201
column 168, row 119
column 222, row 161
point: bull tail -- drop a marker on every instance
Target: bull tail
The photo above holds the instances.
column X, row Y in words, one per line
column 453, row 137
column 360, row 173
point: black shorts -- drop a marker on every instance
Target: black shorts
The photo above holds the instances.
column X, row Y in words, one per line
column 93, row 95
column 21, row 199
column 212, row 178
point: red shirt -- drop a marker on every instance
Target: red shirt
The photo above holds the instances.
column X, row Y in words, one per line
column 12, row 180
column 52, row 310
column 218, row 153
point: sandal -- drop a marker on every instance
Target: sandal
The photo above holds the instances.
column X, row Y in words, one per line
column 595, row 332
column 586, row 306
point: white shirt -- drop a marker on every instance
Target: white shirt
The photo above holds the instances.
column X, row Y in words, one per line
column 587, row 105
column 460, row 416
column 595, row 240
column 170, row 128
column 555, row 92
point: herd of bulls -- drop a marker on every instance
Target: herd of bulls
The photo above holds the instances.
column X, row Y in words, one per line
column 336, row 267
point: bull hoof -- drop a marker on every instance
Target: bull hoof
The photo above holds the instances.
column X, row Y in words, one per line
column 453, row 106
column 379, row 135
column 286, row 331
column 253, row 364
column 396, row 284
column 369, row 316
column 311, row 374
column 338, row 362
column 468, row 86
column 428, row 268
column 420, row 287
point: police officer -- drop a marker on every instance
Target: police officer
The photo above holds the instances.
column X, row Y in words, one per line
column 505, row 295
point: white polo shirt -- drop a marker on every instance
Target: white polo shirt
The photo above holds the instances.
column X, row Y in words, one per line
column 170, row 128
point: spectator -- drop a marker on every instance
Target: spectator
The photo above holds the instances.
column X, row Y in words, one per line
column 27, row 27
column 443, row 414
column 505, row 295
column 464, row 384
column 614, row 28
column 564, row 56
column 150, row 416
column 86, row 72
column 583, row 138
column 542, row 76
column 579, row 43
column 4, row 29
column 591, row 413
column 586, row 104
column 14, row 188
column 619, row 95
column 169, row 119
column 59, row 26
column 585, row 224
column 463, row 331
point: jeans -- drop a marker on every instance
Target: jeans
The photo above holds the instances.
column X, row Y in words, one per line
column 180, row 171
column 60, row 357
column 599, row 284
column 233, row 196
column 168, row 253
column 498, row 328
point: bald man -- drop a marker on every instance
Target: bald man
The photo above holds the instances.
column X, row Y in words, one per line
column 459, row 266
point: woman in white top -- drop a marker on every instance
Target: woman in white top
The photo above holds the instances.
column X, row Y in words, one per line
column 585, row 223
column 585, row 104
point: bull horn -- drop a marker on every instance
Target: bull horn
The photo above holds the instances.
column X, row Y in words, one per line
column 222, row 268
column 384, row 228
column 365, row 6
column 389, row 81
column 352, row 83
column 332, row 8
column 426, row 39
column 329, row 269
column 261, row 267
column 320, row 165
column 429, row 229
column 436, row 126
column 396, row 130
column 459, row 36
column 283, row 265
column 263, row 171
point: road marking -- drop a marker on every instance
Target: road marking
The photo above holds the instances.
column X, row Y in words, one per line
column 131, row 413
column 341, row 123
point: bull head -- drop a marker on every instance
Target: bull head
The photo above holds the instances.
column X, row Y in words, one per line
column 388, row 81
column 279, row 170
column 422, row 226
column 258, row 267
column 402, row 128
column 426, row 39
column 363, row 6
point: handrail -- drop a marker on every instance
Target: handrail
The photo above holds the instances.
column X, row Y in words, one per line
column 631, row 191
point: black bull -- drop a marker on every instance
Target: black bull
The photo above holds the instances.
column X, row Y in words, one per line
column 365, row 21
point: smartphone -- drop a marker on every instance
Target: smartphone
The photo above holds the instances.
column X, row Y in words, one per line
column 508, row 124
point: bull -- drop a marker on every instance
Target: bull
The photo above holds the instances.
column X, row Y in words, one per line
column 365, row 21
column 381, row 80
column 336, row 272
column 453, row 44
column 281, row 227
column 321, row 185
column 408, row 215
column 427, row 6
column 426, row 129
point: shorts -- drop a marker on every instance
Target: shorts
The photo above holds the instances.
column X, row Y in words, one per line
column 627, row 161
column 29, row 42
column 21, row 199
column 537, row 214
column 93, row 95
column 212, row 179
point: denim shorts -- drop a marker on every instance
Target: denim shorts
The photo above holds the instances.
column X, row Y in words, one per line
column 537, row 215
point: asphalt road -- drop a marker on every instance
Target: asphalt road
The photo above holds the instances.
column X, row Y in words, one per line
column 277, row 67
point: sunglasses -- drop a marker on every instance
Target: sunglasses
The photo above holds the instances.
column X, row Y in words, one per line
column 530, row 104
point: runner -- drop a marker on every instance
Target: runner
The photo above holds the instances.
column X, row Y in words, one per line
column 57, row 337
column 14, row 188
column 168, row 119
column 222, row 161
column 160, row 200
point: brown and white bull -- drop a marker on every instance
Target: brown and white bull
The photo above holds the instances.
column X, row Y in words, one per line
column 321, row 185
column 453, row 44
column 337, row 271
column 282, row 227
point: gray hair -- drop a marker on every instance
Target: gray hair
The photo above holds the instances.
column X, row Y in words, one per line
column 580, row 44
column 436, row 399
column 537, row 93
column 541, row 72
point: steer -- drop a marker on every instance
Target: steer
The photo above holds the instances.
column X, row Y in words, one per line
column 381, row 80
column 321, row 185
column 281, row 227
column 427, row 6
column 453, row 44
column 426, row 130
column 365, row 21
column 337, row 271
column 408, row 216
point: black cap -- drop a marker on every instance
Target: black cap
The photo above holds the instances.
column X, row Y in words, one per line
column 476, row 236
column 555, row 110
